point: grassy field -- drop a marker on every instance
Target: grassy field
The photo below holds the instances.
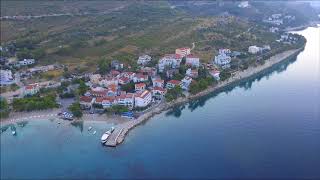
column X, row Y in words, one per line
column 122, row 31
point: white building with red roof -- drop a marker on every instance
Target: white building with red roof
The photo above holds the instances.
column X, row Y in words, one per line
column 86, row 102
column 172, row 83
column 31, row 89
column 184, row 51
column 129, row 75
column 158, row 82
column 215, row 74
column 192, row 60
column 158, row 92
column 170, row 61
column 139, row 77
column 124, row 80
column 140, row 87
column 143, row 99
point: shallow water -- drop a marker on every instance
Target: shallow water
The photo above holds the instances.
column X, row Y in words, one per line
column 266, row 127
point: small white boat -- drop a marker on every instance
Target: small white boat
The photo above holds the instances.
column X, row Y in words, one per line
column 94, row 132
column 105, row 136
column 89, row 128
column 13, row 132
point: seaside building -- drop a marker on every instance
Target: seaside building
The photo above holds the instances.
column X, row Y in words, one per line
column 185, row 83
column 143, row 99
column 192, row 60
column 31, row 89
column 86, row 102
column 158, row 82
column 144, row 59
column 140, row 87
column 158, row 92
column 183, row 51
column 215, row 74
column 170, row 61
column 172, row 83
column 254, row 49
column 222, row 60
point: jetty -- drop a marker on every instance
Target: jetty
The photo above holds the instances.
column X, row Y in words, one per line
column 118, row 135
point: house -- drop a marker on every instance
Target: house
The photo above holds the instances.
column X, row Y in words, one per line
column 115, row 64
column 6, row 77
column 183, row 51
column 95, row 78
column 26, row 62
column 86, row 102
column 115, row 74
column 158, row 82
column 169, row 61
column 108, row 102
column 148, row 71
column 98, row 93
column 126, row 100
column 172, row 83
column 140, row 87
column 158, row 92
column 185, row 82
column 140, row 78
column 143, row 99
column 144, row 59
column 112, row 90
column 192, row 60
column 192, row 73
column 31, row 89
column 129, row 75
column 108, row 81
column 215, row 74
column 254, row 49
column 124, row 80
column 222, row 60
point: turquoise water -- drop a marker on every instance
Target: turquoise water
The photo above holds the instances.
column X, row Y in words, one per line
column 267, row 127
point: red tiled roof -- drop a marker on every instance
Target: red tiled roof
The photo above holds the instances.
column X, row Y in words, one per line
column 143, row 94
column 175, row 82
column 139, row 85
column 159, row 89
column 86, row 99
column 191, row 56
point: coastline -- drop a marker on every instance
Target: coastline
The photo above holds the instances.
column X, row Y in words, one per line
column 123, row 126
column 118, row 136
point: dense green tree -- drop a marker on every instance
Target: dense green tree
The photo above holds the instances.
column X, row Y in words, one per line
column 104, row 66
column 4, row 108
column 76, row 109
column 34, row 103
column 173, row 93
column 82, row 87
column 128, row 87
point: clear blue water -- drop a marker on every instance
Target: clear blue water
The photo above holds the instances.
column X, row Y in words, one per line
column 266, row 127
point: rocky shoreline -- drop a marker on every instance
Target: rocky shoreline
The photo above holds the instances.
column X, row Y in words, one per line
column 238, row 76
